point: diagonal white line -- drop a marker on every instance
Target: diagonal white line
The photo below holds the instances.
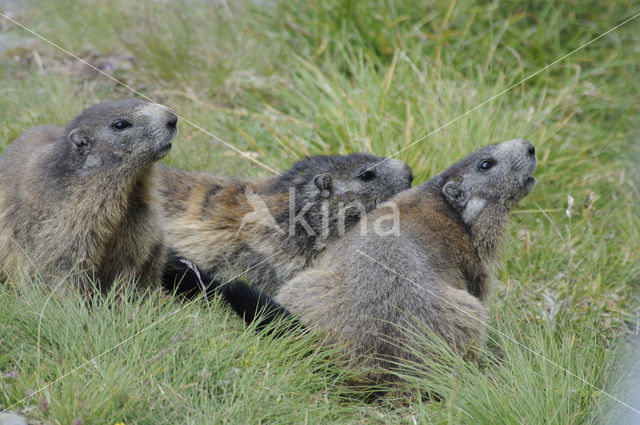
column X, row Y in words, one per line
column 506, row 90
column 191, row 123
column 510, row 338
column 124, row 341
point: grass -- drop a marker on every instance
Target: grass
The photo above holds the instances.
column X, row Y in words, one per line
column 285, row 79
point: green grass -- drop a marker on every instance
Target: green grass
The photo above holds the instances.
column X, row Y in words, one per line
column 281, row 80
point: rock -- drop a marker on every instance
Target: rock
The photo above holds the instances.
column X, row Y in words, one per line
column 12, row 419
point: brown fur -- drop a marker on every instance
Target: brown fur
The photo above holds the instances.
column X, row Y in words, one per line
column 81, row 201
column 205, row 215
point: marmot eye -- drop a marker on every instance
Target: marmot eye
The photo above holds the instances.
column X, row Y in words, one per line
column 121, row 124
column 485, row 165
column 367, row 175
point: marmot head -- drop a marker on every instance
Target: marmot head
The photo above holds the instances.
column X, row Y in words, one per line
column 356, row 177
column 486, row 185
column 333, row 192
column 124, row 134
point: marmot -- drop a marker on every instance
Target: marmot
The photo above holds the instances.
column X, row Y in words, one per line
column 82, row 199
column 435, row 269
column 276, row 226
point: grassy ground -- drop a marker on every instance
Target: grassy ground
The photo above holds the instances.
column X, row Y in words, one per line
column 284, row 79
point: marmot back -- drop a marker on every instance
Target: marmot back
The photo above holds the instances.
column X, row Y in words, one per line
column 81, row 198
column 274, row 227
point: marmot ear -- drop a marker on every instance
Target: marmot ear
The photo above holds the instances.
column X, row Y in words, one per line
column 79, row 139
column 323, row 183
column 454, row 192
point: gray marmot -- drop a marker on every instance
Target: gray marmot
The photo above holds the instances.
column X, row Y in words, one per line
column 276, row 226
column 81, row 201
column 435, row 269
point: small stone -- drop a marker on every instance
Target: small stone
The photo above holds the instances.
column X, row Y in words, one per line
column 12, row 419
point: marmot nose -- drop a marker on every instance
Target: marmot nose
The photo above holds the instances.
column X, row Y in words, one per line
column 172, row 122
column 531, row 150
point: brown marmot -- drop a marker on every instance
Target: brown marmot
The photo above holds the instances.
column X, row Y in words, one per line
column 276, row 226
column 80, row 201
column 435, row 269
